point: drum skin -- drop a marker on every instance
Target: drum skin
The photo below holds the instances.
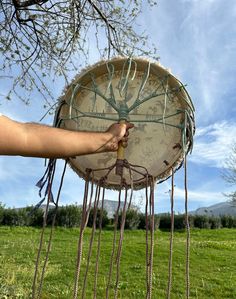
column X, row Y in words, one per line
column 139, row 91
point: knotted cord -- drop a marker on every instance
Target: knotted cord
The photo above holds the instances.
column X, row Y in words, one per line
column 98, row 247
column 171, row 238
column 51, row 172
column 144, row 93
column 116, row 251
column 187, row 231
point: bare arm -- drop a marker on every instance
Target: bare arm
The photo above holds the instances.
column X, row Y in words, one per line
column 35, row 140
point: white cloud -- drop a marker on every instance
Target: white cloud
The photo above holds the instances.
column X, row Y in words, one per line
column 200, row 195
column 213, row 143
column 205, row 194
column 196, row 39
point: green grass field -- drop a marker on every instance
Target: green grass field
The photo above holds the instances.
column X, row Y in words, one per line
column 212, row 265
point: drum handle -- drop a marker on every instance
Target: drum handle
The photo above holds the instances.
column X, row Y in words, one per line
column 120, row 155
column 121, row 149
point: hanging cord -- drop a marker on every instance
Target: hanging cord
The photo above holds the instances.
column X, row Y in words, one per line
column 147, row 230
column 95, row 209
column 51, row 233
column 98, row 246
column 119, row 249
column 50, row 177
column 131, row 186
column 187, row 229
column 113, row 244
column 171, row 238
column 81, row 236
column 90, row 201
column 151, row 206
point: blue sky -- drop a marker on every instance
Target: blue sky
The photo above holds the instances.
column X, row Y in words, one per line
column 196, row 39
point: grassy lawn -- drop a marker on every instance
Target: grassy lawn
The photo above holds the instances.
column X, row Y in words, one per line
column 212, row 264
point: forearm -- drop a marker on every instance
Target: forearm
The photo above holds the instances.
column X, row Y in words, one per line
column 58, row 143
column 26, row 139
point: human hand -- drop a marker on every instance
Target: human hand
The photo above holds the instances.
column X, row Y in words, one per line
column 118, row 132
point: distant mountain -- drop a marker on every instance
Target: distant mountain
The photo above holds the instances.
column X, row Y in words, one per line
column 219, row 209
column 42, row 207
column 111, row 206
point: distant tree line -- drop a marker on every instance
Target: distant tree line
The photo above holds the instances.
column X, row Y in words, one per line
column 66, row 216
column 135, row 220
column 70, row 216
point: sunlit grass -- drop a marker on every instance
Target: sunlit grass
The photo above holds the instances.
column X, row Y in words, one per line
column 212, row 265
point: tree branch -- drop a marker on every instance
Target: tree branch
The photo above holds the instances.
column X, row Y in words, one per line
column 19, row 4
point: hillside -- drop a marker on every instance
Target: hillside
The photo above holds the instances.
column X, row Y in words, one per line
column 219, row 209
column 111, row 206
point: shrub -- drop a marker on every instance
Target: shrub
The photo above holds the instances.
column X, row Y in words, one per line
column 180, row 222
column 67, row 216
column 22, row 217
column 1, row 212
column 156, row 222
column 234, row 222
column 201, row 221
column 100, row 213
column 13, row 217
column 35, row 216
column 165, row 221
column 10, row 217
column 215, row 222
column 228, row 221
column 142, row 221
column 132, row 219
